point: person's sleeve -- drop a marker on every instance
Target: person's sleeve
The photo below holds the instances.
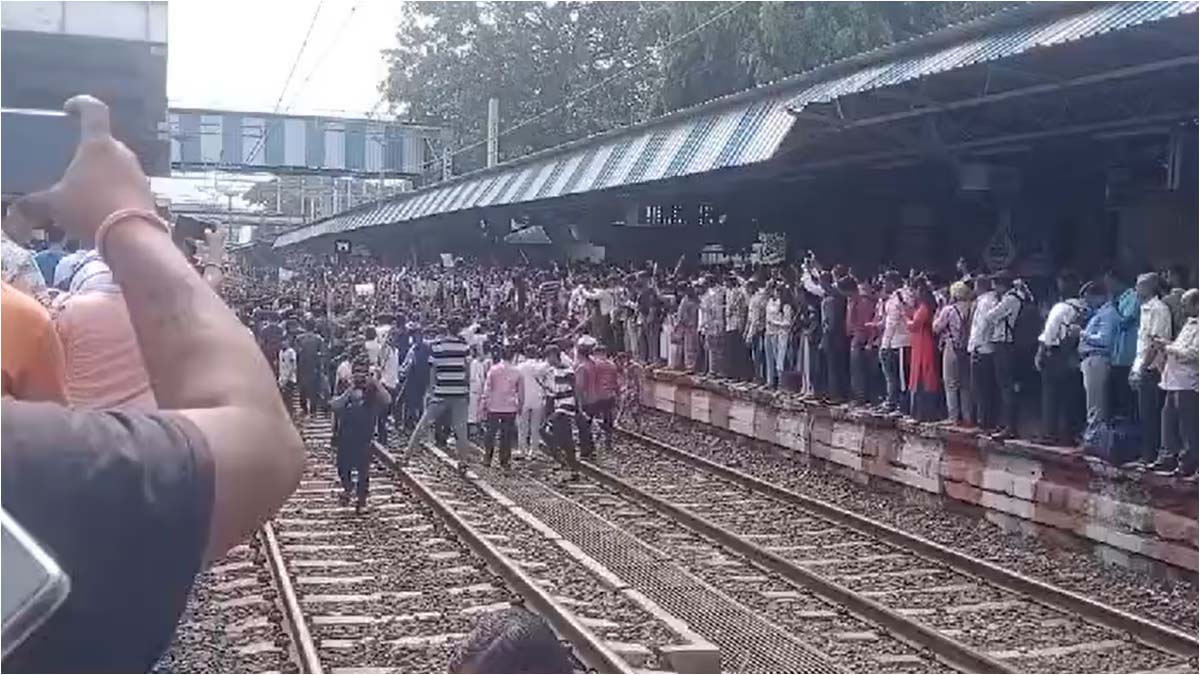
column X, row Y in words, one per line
column 123, row 502
column 45, row 380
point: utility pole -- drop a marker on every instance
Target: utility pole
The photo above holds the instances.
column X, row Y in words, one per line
column 493, row 132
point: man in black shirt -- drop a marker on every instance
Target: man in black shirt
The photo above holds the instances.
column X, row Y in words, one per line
column 130, row 504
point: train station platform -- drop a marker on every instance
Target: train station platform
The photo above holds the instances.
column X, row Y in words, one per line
column 1045, row 491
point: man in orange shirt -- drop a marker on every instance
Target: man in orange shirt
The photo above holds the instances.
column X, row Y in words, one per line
column 32, row 358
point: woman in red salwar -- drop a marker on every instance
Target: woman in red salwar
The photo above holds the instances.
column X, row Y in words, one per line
column 922, row 372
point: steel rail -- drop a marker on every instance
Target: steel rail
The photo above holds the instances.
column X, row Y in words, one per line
column 591, row 649
column 306, row 649
column 948, row 650
column 1148, row 632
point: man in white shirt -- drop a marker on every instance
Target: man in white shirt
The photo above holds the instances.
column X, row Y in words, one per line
column 979, row 345
column 535, row 373
column 287, row 375
column 1154, row 330
column 1057, row 360
column 894, row 344
column 712, row 327
column 1179, row 383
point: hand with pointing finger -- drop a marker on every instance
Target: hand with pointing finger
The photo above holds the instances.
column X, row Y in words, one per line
column 103, row 177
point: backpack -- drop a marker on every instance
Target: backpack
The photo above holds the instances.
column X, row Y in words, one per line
column 1027, row 324
column 1116, row 441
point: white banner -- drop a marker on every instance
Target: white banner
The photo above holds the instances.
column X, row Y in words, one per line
column 447, row 260
column 286, row 274
column 364, row 290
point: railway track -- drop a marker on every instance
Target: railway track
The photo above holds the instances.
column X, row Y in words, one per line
column 971, row 614
column 321, row 589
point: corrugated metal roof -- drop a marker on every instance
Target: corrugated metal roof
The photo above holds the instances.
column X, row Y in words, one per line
column 743, row 134
column 746, row 127
column 1057, row 30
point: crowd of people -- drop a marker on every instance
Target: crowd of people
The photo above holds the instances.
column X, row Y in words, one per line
column 1114, row 362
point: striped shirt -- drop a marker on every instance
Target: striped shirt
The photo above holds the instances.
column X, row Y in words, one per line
column 448, row 357
column 563, row 389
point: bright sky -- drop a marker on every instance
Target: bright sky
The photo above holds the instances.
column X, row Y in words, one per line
column 235, row 55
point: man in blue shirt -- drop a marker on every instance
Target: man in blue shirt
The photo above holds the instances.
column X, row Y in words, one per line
column 48, row 258
column 1124, row 345
column 1095, row 352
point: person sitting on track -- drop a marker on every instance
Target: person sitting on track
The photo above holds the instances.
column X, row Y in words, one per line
column 132, row 503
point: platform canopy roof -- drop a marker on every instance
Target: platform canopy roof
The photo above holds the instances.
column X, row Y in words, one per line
column 750, row 127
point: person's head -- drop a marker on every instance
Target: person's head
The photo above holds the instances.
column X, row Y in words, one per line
column 959, row 292
column 1093, row 294
column 1148, row 286
column 454, row 325
column 512, row 640
column 892, row 281
column 551, row 354
column 848, row 286
column 982, row 285
column 1068, row 284
column 1190, row 299
column 1002, row 281
column 370, row 333
column 826, row 281
column 55, row 235
column 585, row 346
column 1115, row 283
column 1177, row 276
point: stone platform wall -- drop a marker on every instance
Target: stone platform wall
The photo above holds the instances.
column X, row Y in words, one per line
column 1056, row 488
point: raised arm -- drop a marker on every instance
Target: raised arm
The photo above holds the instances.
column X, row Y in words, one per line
column 201, row 361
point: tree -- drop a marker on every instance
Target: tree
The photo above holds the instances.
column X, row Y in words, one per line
column 565, row 70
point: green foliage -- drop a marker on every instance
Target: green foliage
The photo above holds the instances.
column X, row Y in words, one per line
column 564, row 64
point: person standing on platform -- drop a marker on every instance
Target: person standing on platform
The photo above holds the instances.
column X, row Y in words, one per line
column 1058, row 361
column 922, row 374
column 1125, row 301
column 778, row 316
column 1095, row 352
column 1154, row 331
column 835, row 343
column 448, row 357
column 756, row 326
column 952, row 326
column 894, row 344
column 687, row 323
column 979, row 345
column 1001, row 321
column 1179, row 384
column 736, row 302
column 712, row 328
column 503, row 398
column 860, row 309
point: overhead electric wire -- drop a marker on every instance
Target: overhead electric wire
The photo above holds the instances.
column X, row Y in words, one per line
column 655, row 52
column 292, row 71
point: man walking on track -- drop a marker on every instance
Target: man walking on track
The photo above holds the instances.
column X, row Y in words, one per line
column 448, row 358
column 357, row 408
